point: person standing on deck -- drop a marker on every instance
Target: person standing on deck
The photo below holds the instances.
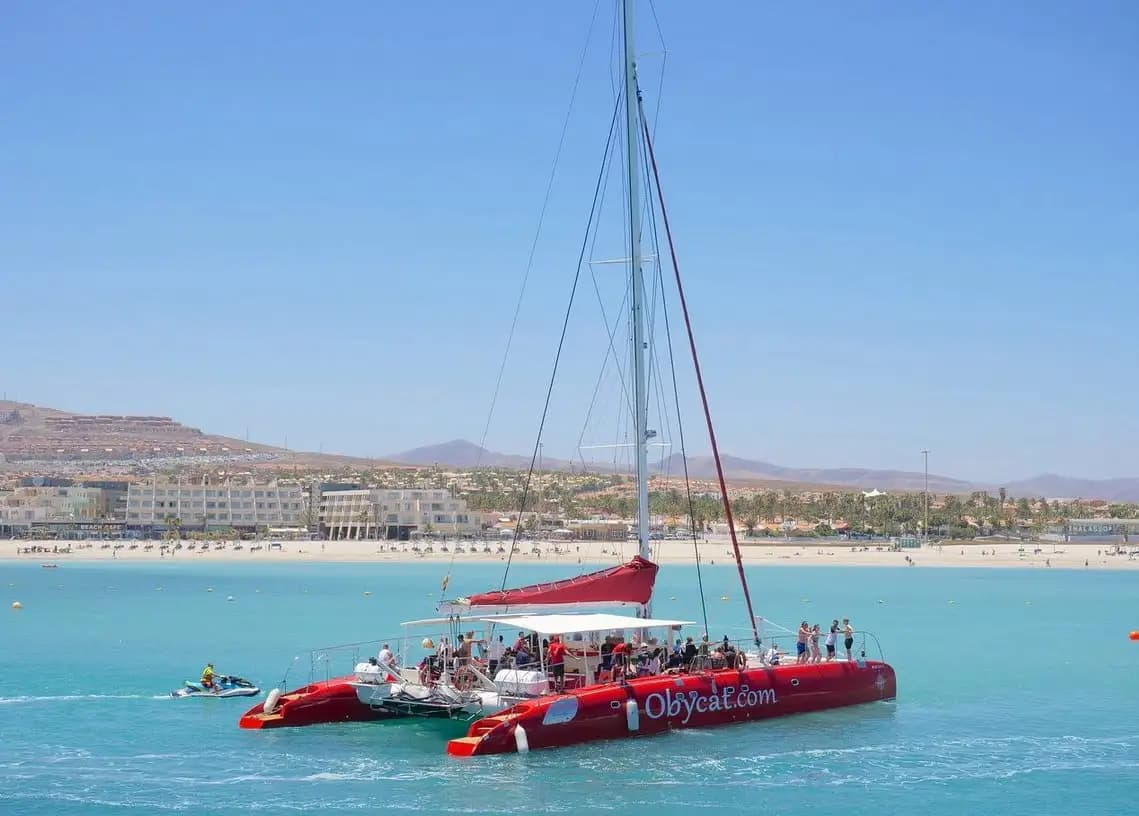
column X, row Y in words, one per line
column 816, row 653
column 801, row 645
column 690, row 652
column 848, row 639
column 832, row 640
column 494, row 653
column 557, row 656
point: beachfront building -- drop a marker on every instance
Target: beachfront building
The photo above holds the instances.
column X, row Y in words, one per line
column 245, row 507
column 57, row 510
column 394, row 514
column 28, row 504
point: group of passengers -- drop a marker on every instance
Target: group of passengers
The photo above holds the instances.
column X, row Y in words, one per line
column 619, row 659
column 807, row 646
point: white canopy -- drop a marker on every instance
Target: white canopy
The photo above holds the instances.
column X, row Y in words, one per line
column 568, row 624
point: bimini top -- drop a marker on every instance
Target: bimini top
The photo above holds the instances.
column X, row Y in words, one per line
column 569, row 624
column 630, row 583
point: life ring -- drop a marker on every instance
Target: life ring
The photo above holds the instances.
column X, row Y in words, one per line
column 271, row 701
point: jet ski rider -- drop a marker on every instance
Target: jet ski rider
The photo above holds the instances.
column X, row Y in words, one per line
column 208, row 676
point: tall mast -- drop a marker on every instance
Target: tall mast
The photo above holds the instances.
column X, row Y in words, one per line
column 640, row 385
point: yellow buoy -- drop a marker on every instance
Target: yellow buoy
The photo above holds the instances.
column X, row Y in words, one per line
column 17, row 605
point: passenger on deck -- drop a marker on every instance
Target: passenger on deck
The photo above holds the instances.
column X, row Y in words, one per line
column 801, row 644
column 690, row 652
column 654, row 662
column 521, row 657
column 832, row 639
column 427, row 666
column 848, row 637
column 557, row 655
column 386, row 657
column 729, row 652
column 620, row 657
column 607, row 653
column 771, row 657
column 495, row 651
column 816, row 653
column 462, row 653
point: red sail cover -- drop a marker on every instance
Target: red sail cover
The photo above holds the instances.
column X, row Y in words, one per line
column 629, row 583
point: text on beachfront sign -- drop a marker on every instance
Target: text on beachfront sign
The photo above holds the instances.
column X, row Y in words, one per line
column 683, row 705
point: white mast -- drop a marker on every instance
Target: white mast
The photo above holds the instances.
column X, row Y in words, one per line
column 640, row 386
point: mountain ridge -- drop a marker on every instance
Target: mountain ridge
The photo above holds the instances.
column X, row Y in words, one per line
column 464, row 453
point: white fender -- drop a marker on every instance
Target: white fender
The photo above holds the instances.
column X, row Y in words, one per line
column 271, row 701
column 632, row 715
column 521, row 741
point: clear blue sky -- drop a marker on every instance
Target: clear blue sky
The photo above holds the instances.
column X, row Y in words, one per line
column 902, row 225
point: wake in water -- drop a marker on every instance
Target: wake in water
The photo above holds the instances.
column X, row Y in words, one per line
column 62, row 698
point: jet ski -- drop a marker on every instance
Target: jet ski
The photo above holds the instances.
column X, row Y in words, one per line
column 225, row 685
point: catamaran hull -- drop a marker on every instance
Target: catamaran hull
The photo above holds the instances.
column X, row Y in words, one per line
column 329, row 701
column 652, row 705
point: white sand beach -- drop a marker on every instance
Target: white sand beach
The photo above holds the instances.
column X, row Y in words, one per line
column 716, row 551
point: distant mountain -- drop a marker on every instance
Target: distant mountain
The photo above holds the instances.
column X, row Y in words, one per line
column 1052, row 486
column 38, row 439
column 463, row 454
column 704, row 467
column 34, row 433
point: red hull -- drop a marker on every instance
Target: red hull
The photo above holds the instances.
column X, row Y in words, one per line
column 651, row 705
column 329, row 701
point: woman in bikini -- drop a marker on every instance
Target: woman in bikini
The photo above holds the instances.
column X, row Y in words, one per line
column 816, row 653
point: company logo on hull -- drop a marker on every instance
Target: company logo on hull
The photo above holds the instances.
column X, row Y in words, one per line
column 683, row 706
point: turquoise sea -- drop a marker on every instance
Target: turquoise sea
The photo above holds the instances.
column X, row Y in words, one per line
column 1018, row 694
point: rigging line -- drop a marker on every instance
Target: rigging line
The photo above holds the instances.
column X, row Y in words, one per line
column 529, row 264
column 654, row 359
column 658, row 287
column 592, row 253
column 561, row 344
column 683, row 454
column 601, row 301
column 700, row 383
column 538, row 231
column 600, row 378
column 663, row 66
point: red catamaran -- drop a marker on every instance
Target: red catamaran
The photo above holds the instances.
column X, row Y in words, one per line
column 704, row 695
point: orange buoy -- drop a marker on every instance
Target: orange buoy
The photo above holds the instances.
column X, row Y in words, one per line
column 1134, row 635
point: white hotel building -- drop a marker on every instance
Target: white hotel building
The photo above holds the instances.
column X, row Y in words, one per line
column 394, row 514
column 240, row 506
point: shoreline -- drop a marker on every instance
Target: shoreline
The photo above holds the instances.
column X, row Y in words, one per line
column 589, row 555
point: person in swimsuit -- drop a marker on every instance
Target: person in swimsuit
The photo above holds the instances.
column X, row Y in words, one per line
column 816, row 653
column 801, row 646
column 848, row 640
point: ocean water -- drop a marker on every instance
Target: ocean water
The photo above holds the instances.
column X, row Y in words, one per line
column 1018, row 694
